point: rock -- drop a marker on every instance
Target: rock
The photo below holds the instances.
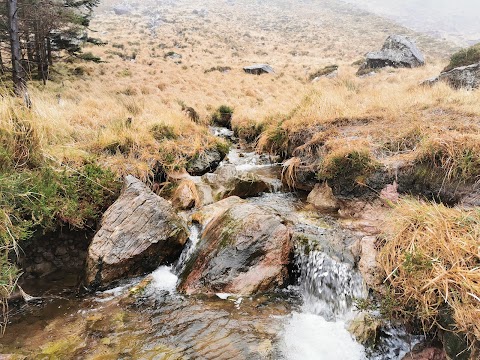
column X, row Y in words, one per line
column 246, row 185
column 227, row 181
column 139, row 232
column 371, row 270
column 322, row 198
column 210, row 212
column 390, row 193
column 12, row 357
column 465, row 77
column 364, row 328
column 244, row 250
column 456, row 346
column 121, row 10
column 205, row 194
column 205, row 162
column 185, row 196
column 428, row 353
column 397, row 51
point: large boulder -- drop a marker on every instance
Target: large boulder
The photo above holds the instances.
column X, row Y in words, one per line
column 227, row 181
column 245, row 249
column 465, row 77
column 397, row 51
column 139, row 232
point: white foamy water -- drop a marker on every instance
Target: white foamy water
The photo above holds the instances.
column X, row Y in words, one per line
column 328, row 289
column 164, row 279
column 311, row 337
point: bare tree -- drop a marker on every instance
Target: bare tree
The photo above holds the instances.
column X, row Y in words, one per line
column 18, row 74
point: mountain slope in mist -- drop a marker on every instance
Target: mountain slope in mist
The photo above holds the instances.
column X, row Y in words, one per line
column 454, row 20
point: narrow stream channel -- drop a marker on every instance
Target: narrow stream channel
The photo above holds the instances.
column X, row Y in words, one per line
column 306, row 321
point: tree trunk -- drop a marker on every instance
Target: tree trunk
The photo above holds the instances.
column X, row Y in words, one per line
column 18, row 76
column 49, row 51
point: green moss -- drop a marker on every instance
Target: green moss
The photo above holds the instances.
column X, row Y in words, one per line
column 60, row 349
column 464, row 57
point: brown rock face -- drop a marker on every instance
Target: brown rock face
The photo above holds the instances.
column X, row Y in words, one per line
column 186, row 195
column 369, row 267
column 430, row 353
column 322, row 198
column 245, row 249
column 139, row 232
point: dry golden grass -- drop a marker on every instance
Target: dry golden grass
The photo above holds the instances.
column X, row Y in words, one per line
column 432, row 260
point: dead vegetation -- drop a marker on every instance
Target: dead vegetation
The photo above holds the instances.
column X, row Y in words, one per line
column 432, row 262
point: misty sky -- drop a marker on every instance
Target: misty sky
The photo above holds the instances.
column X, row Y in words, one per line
column 444, row 18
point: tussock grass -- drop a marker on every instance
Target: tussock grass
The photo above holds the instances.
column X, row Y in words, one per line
column 457, row 156
column 432, row 261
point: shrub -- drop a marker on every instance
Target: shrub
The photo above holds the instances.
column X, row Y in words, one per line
column 464, row 57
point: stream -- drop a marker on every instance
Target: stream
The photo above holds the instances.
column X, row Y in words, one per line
column 146, row 318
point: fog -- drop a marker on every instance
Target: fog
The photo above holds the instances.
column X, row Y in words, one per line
column 457, row 20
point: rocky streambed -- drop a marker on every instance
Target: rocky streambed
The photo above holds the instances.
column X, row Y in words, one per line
column 239, row 267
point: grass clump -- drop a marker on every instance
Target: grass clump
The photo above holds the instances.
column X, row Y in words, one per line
column 432, row 263
column 161, row 132
column 464, row 57
column 347, row 164
column 457, row 157
column 223, row 116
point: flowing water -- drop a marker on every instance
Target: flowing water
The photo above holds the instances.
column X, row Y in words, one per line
column 145, row 318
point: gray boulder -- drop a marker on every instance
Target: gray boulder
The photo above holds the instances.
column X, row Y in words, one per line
column 121, row 10
column 205, row 162
column 397, row 51
column 465, row 77
column 139, row 232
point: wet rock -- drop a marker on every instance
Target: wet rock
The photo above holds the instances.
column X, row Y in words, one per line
column 331, row 240
column 185, row 196
column 246, row 185
column 465, row 77
column 428, row 353
column 210, row 212
column 397, row 51
column 205, row 162
column 365, row 328
column 322, row 198
column 205, row 194
column 456, row 346
column 371, row 270
column 227, row 181
column 243, row 250
column 139, row 232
